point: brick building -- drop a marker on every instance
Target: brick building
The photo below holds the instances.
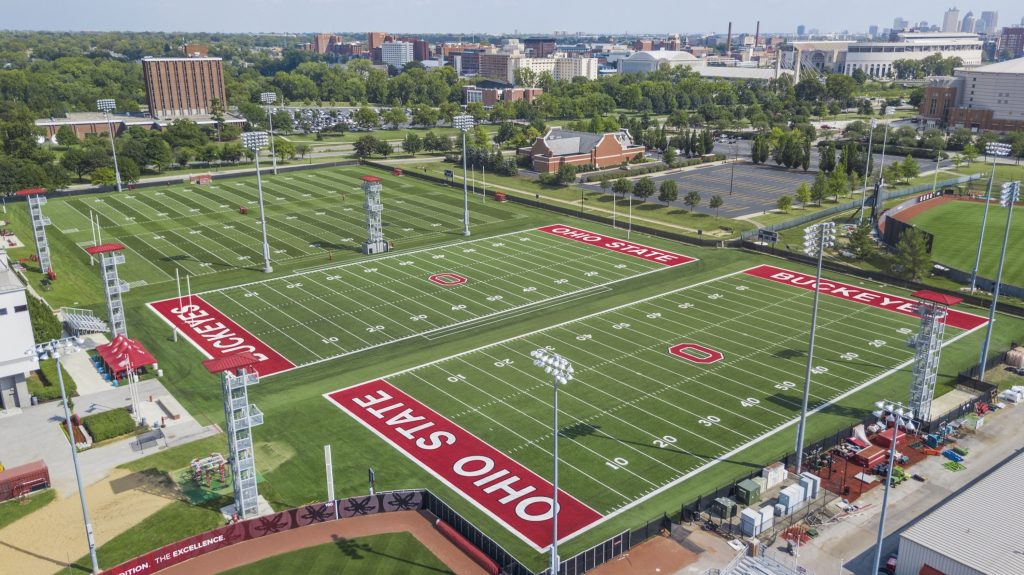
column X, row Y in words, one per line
column 1012, row 41
column 539, row 47
column 982, row 98
column 558, row 147
column 491, row 96
column 177, row 87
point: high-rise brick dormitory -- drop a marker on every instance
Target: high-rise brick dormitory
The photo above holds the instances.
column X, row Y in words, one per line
column 178, row 87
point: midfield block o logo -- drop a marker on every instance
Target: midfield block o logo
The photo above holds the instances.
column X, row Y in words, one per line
column 447, row 279
column 696, row 353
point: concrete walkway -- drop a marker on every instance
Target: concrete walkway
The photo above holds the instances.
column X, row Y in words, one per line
column 35, row 434
column 80, row 368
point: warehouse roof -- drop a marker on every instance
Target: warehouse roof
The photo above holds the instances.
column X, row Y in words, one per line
column 972, row 531
column 1008, row 67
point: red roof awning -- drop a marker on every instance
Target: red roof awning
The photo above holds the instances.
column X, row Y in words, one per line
column 30, row 191
column 229, row 362
column 371, row 179
column 104, row 248
column 122, row 353
column 933, row 296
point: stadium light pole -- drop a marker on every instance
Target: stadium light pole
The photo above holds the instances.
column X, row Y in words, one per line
column 889, row 412
column 995, row 150
column 56, row 348
column 867, row 170
column 732, row 169
column 561, row 371
column 254, row 141
column 881, row 168
column 463, row 123
column 107, row 105
column 1010, row 195
column 816, row 239
column 268, row 98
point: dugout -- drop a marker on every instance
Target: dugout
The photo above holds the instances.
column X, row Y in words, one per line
column 23, row 479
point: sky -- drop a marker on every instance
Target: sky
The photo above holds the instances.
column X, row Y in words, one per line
column 477, row 16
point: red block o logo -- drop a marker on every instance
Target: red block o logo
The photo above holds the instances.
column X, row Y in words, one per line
column 447, row 279
column 703, row 354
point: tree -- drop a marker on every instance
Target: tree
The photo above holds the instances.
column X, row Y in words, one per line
column 912, row 258
column 394, row 117
column 669, row 156
column 827, row 161
column 365, row 146
column 861, row 243
column 837, row 184
column 909, row 168
column 231, row 152
column 933, row 139
column 970, row 153
column 183, row 155
column 668, row 192
column 283, row 148
column 424, row 116
column 302, row 149
column 859, row 76
column 692, row 199
column 66, row 136
column 621, row 187
column 45, row 325
column 217, row 114
column 412, row 144
column 819, row 189
column 209, row 153
column 565, row 175
column 716, row 202
column 383, row 148
column 366, row 118
column 803, row 195
column 893, row 172
column 129, row 170
column 644, row 188
column 102, row 177
column 784, row 203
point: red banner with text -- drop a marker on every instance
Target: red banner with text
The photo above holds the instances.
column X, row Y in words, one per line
column 616, row 245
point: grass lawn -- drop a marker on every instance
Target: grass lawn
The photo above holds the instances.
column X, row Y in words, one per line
column 13, row 509
column 675, row 220
column 390, row 554
column 956, row 226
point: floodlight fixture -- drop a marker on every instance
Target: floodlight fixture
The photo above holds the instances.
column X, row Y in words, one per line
column 106, row 105
column 254, row 140
column 463, row 122
column 906, row 420
column 268, row 97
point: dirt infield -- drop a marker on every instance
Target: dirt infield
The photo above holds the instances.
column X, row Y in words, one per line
column 658, row 555
column 45, row 541
column 414, row 522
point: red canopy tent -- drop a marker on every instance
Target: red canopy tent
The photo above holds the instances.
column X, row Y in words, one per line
column 122, row 353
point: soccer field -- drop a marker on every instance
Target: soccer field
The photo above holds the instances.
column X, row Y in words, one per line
column 664, row 388
column 310, row 213
column 321, row 314
column 956, row 226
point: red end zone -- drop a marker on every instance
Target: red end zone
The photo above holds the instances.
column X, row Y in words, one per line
column 516, row 497
column 904, row 305
column 215, row 334
column 616, row 245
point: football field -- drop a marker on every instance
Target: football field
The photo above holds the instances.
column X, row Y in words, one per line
column 200, row 230
column 664, row 388
column 321, row 314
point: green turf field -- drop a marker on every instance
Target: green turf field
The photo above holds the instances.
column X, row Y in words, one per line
column 392, row 554
column 957, row 225
column 315, row 316
column 199, row 230
column 636, row 419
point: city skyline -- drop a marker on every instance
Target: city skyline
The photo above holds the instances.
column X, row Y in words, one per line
column 482, row 17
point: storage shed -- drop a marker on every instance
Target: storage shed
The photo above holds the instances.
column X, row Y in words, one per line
column 748, row 492
column 23, row 479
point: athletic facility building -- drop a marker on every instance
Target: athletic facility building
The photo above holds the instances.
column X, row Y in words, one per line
column 564, row 147
column 15, row 339
column 983, row 98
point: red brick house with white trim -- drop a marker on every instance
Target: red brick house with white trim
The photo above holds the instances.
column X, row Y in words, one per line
column 559, row 147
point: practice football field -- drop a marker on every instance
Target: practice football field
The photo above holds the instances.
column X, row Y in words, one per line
column 331, row 311
column 200, row 229
column 664, row 387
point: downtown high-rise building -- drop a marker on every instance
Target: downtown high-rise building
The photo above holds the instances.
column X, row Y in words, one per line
column 988, row 23
column 968, row 23
column 899, row 24
column 951, row 20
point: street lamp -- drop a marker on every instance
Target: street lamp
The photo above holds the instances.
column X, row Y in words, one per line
column 881, row 168
column 55, row 348
column 464, row 123
column 561, row 371
column 1009, row 195
column 894, row 413
column 732, row 169
column 107, row 105
column 817, row 238
column 995, row 150
column 867, row 169
column 254, row 141
column 268, row 98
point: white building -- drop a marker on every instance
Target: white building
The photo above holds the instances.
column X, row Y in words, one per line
column 647, row 61
column 876, row 58
column 957, row 539
column 396, row 54
column 561, row 69
column 951, row 21
column 16, row 338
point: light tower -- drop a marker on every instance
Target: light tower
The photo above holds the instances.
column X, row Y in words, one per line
column 927, row 344
column 374, row 243
column 107, row 105
column 110, row 257
column 267, row 98
column 36, row 200
column 237, row 373
column 254, row 141
column 464, row 123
